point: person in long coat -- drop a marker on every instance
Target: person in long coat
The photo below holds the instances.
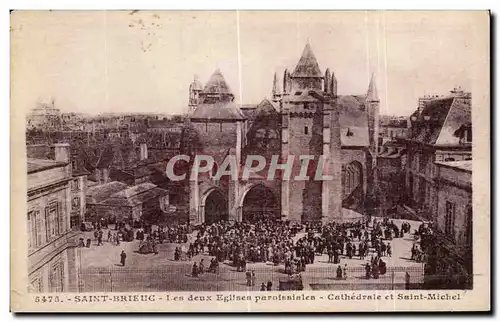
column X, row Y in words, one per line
column 336, row 256
column 375, row 271
column 382, row 267
column 194, row 270
column 123, row 256
column 339, row 272
column 368, row 270
column 269, row 285
column 248, row 275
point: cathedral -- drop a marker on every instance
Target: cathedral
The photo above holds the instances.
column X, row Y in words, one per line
column 305, row 120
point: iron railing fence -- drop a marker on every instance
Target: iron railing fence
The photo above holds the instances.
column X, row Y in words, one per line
column 179, row 278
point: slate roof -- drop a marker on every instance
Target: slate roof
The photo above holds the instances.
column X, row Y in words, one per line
column 446, row 115
column 36, row 165
column 137, row 189
column 351, row 113
column 121, row 199
column 458, row 116
column 38, row 151
column 218, row 111
column 266, row 107
column 217, row 84
column 437, row 110
column 99, row 193
column 354, row 136
column 249, row 112
column 465, row 165
column 308, row 65
column 392, row 154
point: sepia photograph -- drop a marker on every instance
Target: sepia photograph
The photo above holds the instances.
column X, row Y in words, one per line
column 250, row 155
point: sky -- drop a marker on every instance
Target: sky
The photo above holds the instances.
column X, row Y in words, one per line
column 123, row 61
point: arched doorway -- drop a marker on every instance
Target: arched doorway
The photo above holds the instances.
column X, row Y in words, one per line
column 260, row 203
column 215, row 207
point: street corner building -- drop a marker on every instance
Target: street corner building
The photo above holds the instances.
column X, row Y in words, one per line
column 304, row 117
column 52, row 255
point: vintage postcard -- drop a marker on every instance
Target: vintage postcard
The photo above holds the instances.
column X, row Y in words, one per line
column 250, row 161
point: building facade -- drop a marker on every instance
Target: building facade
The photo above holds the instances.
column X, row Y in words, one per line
column 440, row 132
column 393, row 127
column 391, row 174
column 450, row 258
column 52, row 254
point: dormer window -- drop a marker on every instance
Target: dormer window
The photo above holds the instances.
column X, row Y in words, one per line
column 468, row 135
column 464, row 133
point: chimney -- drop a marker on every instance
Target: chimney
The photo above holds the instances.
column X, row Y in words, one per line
column 98, row 176
column 144, row 151
column 62, row 153
column 105, row 175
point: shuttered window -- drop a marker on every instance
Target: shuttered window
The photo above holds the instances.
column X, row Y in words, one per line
column 51, row 221
column 36, row 284
column 61, row 222
column 56, row 277
column 449, row 227
column 34, row 229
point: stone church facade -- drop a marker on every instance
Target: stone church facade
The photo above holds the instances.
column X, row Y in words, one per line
column 305, row 117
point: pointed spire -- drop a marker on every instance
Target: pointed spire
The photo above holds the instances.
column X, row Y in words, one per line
column 286, row 82
column 217, row 84
column 333, row 86
column 308, row 65
column 275, row 85
column 372, row 94
column 328, row 79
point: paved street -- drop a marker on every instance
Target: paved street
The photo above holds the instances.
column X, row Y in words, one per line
column 101, row 271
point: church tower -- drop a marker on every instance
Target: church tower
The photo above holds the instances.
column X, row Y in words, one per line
column 372, row 105
column 220, row 126
column 311, row 134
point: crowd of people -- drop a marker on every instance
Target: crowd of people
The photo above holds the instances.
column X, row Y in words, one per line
column 275, row 241
column 292, row 245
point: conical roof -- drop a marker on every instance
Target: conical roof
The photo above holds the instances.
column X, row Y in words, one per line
column 217, row 84
column 308, row 65
column 218, row 111
column 372, row 94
